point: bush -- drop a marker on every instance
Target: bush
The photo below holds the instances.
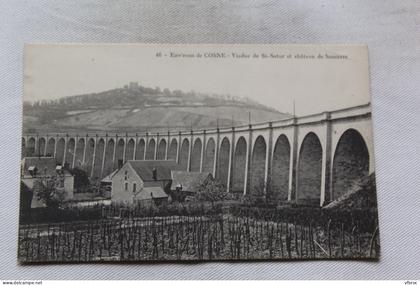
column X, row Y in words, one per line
column 55, row 215
column 366, row 219
column 212, row 191
column 81, row 179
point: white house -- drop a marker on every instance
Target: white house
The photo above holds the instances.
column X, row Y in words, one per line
column 143, row 181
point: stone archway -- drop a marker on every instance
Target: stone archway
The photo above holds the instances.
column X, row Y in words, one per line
column 239, row 166
column 184, row 154
column 196, row 155
column 161, row 151
column 280, row 168
column 257, row 169
column 119, row 153
column 30, row 148
column 60, row 150
column 223, row 163
column 173, row 149
column 150, row 154
column 80, row 149
column 350, row 164
column 140, row 149
column 41, row 146
column 129, row 151
column 309, row 170
column 97, row 165
column 208, row 162
column 90, row 149
column 70, row 152
column 50, row 147
column 109, row 155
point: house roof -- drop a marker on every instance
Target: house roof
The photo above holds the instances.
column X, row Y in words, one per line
column 154, row 192
column 154, row 183
column 188, row 181
column 24, row 186
column 108, row 178
column 144, row 168
column 45, row 165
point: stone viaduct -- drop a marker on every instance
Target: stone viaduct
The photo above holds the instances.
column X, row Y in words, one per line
column 314, row 158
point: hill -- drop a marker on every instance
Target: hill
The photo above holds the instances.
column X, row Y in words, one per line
column 135, row 108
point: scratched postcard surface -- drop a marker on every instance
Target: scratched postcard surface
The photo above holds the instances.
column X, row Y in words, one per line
column 156, row 152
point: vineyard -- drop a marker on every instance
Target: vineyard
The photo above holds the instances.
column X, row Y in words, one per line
column 218, row 237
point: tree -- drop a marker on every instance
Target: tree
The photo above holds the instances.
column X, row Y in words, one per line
column 167, row 92
column 51, row 190
column 271, row 194
column 262, row 194
column 213, row 191
column 81, row 179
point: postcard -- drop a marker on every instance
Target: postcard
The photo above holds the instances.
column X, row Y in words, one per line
column 163, row 152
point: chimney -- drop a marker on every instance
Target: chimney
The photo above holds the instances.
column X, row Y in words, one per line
column 120, row 163
column 33, row 170
column 59, row 169
column 154, row 171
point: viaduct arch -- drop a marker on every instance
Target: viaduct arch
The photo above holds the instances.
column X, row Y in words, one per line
column 151, row 149
column 140, row 150
column 173, row 150
column 280, row 168
column 209, row 156
column 309, row 169
column 196, row 155
column 129, row 151
column 350, row 162
column 161, row 152
column 184, row 154
column 41, row 146
column 223, row 162
column 239, row 166
column 258, row 167
column 50, row 147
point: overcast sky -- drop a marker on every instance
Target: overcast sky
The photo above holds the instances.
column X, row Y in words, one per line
column 316, row 85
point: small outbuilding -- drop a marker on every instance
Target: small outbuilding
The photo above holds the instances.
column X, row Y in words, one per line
column 106, row 182
column 186, row 183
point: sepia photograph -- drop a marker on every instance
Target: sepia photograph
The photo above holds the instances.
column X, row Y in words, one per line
column 196, row 152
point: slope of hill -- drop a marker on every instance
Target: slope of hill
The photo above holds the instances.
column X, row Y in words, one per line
column 135, row 109
column 362, row 195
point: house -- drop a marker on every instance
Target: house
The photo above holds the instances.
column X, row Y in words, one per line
column 26, row 195
column 186, row 183
column 143, row 181
column 35, row 173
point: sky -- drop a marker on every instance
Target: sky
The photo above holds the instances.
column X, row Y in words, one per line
column 336, row 77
